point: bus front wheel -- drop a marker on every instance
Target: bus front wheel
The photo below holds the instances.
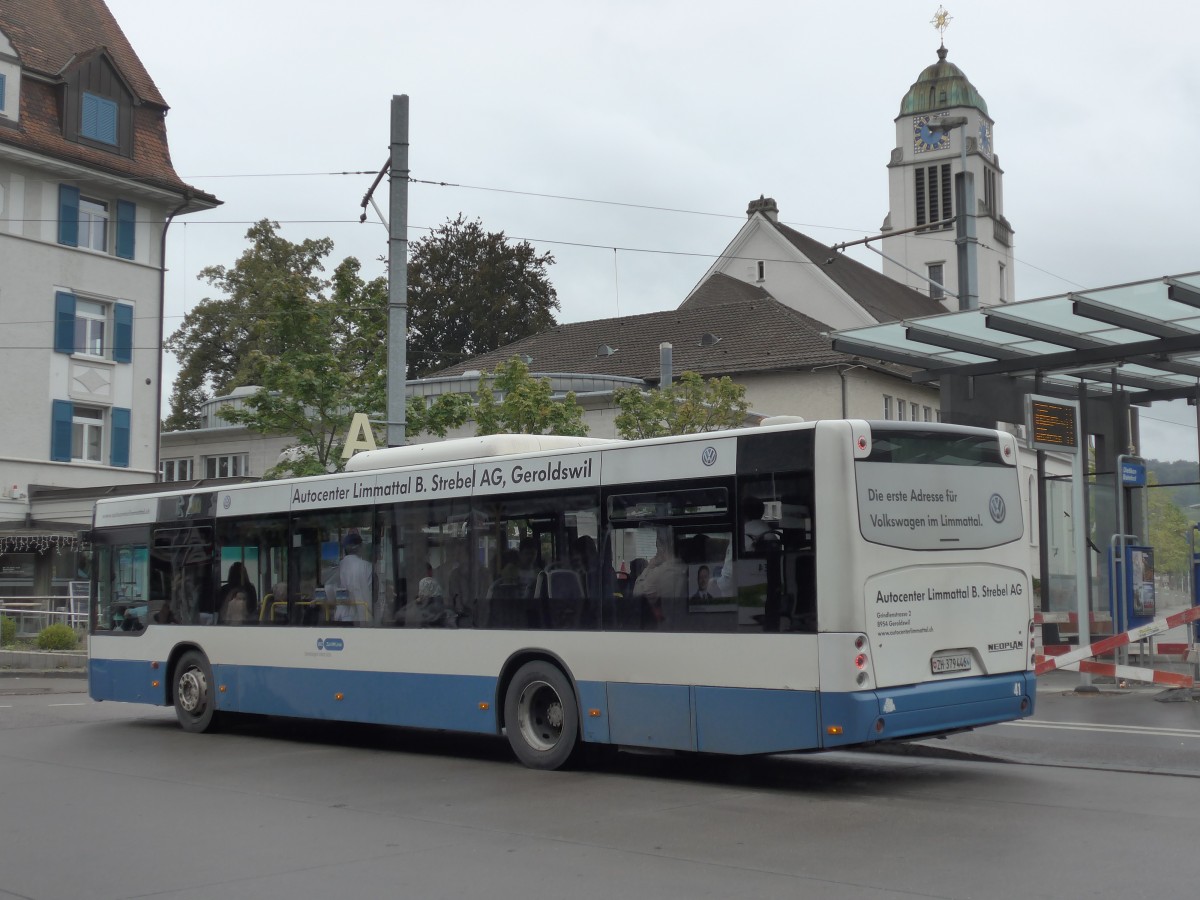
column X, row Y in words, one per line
column 541, row 717
column 195, row 703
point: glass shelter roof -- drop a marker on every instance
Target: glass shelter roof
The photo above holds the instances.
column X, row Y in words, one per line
column 1143, row 338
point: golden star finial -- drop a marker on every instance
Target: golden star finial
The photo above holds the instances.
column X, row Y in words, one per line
column 941, row 20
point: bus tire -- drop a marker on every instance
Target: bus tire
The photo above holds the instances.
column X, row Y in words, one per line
column 195, row 700
column 541, row 717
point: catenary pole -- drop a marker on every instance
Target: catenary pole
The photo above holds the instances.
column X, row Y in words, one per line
column 397, row 273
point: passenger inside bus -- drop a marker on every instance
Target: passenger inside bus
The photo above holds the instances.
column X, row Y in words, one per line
column 352, row 583
column 663, row 584
column 239, row 600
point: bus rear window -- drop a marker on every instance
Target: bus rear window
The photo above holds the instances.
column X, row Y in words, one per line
column 932, row 489
column 933, row 448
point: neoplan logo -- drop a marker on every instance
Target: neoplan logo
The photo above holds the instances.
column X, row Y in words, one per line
column 1003, row 646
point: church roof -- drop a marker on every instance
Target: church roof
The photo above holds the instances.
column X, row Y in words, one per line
column 713, row 338
column 885, row 299
column 941, row 86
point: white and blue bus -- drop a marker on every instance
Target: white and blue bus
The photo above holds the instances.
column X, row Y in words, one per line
column 785, row 588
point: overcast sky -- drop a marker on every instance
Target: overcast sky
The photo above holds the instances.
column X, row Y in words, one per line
column 661, row 120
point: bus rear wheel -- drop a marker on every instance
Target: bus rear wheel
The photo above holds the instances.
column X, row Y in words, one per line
column 195, row 703
column 541, row 717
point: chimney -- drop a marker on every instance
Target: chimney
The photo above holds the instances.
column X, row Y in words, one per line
column 764, row 205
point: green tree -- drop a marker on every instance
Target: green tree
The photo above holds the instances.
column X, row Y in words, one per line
column 526, row 405
column 269, row 308
column 1168, row 530
column 471, row 291
column 688, row 406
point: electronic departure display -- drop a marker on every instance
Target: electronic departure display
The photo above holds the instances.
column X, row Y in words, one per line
column 1052, row 424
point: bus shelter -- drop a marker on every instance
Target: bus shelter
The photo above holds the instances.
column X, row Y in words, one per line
column 1107, row 351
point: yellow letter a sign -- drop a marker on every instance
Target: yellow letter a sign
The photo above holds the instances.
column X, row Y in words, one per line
column 359, row 437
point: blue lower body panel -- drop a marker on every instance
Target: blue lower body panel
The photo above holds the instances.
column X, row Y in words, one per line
column 712, row 719
column 130, row 681
column 925, row 709
column 739, row 721
column 450, row 702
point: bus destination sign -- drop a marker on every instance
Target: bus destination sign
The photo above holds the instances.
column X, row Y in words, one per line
column 1052, row 424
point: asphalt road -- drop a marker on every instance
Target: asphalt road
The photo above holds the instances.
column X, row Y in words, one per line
column 114, row 801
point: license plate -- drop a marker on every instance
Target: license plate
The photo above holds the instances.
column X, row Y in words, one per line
column 950, row 662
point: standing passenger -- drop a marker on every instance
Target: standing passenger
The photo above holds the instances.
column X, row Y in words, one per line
column 355, row 577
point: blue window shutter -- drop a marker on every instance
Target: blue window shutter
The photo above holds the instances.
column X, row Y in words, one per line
column 120, row 437
column 60, row 430
column 98, row 119
column 64, row 322
column 1, row 92
column 122, row 333
column 68, row 215
column 126, row 219
column 88, row 116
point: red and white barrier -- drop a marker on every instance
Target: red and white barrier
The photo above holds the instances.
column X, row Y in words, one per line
column 1068, row 618
column 1136, row 673
column 1158, row 626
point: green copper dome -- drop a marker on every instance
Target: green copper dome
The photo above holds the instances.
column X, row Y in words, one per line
column 941, row 86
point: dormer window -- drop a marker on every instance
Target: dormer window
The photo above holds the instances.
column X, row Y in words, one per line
column 10, row 86
column 98, row 120
column 98, row 107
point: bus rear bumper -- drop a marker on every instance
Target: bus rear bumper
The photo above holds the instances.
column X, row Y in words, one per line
column 927, row 709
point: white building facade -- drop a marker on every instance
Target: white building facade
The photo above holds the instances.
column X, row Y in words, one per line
column 87, row 192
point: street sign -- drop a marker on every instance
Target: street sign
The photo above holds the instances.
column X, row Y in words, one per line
column 1133, row 473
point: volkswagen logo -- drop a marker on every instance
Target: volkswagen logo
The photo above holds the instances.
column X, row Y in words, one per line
column 709, row 456
column 996, row 508
column 227, row 501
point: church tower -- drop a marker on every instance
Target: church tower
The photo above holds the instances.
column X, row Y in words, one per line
column 921, row 185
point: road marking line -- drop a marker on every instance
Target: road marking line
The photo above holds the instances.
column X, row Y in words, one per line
column 66, row 704
column 1111, row 729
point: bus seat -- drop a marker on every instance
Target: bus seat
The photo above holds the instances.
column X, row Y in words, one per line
column 506, row 602
column 562, row 594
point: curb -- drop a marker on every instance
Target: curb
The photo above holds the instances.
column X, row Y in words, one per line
column 42, row 662
column 43, row 673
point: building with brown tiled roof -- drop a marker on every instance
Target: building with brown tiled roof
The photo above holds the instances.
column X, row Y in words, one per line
column 87, row 191
column 760, row 315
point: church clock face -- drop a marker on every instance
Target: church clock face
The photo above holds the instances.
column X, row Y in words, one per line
column 926, row 138
column 985, row 139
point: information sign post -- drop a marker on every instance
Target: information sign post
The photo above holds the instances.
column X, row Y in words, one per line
column 1053, row 424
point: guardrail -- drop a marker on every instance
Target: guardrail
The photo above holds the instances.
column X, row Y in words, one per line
column 32, row 614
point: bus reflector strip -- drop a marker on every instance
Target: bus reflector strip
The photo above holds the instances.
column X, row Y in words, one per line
column 484, row 707
column 339, row 696
column 834, row 730
column 594, row 713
